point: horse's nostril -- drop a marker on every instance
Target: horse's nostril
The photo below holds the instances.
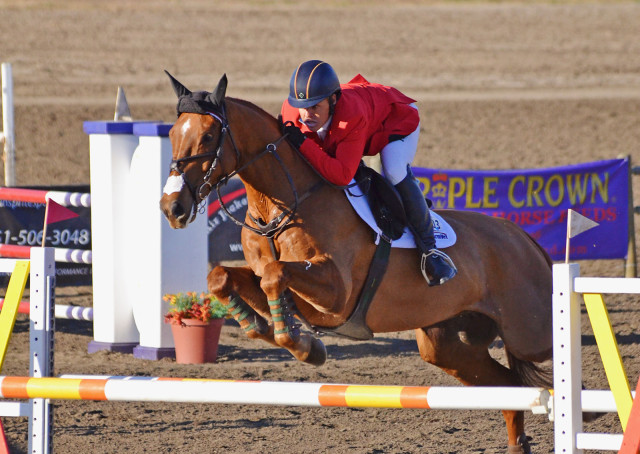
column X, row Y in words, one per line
column 176, row 210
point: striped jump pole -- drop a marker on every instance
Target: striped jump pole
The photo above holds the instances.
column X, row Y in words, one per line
column 61, row 311
column 61, row 254
column 157, row 389
column 73, row 199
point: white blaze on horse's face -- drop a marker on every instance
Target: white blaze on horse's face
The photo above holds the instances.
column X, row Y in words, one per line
column 186, row 126
column 174, row 183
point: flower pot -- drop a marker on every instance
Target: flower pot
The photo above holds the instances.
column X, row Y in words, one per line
column 197, row 342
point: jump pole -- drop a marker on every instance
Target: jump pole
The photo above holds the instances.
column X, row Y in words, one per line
column 61, row 311
column 61, row 254
column 73, row 199
column 8, row 131
column 274, row 393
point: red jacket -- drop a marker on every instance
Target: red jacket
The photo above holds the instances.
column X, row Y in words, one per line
column 365, row 116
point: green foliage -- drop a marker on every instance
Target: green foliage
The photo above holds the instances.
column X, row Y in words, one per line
column 191, row 305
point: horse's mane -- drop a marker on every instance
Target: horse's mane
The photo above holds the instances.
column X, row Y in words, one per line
column 253, row 106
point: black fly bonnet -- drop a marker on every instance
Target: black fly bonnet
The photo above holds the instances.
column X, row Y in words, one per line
column 203, row 103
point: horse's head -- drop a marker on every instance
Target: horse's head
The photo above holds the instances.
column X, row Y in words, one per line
column 206, row 155
column 198, row 139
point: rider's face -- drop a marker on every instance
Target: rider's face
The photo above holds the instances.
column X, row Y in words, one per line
column 316, row 116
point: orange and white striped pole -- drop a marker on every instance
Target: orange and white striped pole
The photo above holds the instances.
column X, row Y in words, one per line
column 159, row 389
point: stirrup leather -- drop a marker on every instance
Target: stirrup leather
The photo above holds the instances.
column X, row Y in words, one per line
column 437, row 253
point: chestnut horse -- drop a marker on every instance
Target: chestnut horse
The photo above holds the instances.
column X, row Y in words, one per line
column 308, row 254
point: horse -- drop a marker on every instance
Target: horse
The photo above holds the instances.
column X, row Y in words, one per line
column 308, row 254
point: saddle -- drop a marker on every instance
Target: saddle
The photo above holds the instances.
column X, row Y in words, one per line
column 388, row 211
column 384, row 201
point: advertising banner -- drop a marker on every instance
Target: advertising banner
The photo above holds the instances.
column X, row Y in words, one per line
column 538, row 199
column 21, row 223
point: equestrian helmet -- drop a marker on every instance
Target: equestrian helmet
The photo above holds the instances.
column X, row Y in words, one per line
column 311, row 82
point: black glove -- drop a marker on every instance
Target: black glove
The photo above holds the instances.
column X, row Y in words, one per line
column 294, row 135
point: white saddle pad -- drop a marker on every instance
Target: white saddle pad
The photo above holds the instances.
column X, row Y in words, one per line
column 442, row 231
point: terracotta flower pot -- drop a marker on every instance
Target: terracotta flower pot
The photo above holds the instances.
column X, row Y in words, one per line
column 197, row 341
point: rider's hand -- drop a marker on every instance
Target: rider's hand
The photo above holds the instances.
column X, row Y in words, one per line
column 294, row 135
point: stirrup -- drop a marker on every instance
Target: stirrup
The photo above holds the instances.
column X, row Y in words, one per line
column 437, row 253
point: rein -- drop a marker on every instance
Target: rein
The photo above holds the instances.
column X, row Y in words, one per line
column 273, row 227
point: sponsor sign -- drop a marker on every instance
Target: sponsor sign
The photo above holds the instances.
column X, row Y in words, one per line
column 21, row 224
column 537, row 200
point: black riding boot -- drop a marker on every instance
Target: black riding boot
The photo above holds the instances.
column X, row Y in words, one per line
column 436, row 266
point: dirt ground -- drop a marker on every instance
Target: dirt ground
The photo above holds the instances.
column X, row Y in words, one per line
column 499, row 85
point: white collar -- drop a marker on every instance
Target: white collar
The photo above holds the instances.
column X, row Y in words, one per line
column 322, row 132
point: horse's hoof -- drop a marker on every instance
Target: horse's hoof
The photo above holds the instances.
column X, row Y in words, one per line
column 522, row 446
column 317, row 354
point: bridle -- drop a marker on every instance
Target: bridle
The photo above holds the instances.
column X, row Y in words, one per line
column 200, row 192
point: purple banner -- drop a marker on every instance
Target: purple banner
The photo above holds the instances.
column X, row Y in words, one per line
column 537, row 200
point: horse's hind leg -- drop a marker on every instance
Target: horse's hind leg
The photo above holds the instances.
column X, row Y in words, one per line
column 239, row 290
column 460, row 347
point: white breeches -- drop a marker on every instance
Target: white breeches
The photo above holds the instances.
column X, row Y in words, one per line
column 396, row 155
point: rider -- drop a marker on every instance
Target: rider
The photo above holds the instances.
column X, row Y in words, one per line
column 334, row 125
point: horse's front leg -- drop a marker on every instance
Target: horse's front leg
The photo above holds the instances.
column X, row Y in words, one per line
column 317, row 282
column 239, row 290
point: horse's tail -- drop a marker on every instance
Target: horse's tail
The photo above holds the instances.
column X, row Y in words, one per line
column 529, row 373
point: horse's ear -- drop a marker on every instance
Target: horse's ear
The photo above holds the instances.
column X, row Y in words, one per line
column 178, row 88
column 218, row 94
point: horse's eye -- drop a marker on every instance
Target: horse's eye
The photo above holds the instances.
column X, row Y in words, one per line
column 207, row 138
